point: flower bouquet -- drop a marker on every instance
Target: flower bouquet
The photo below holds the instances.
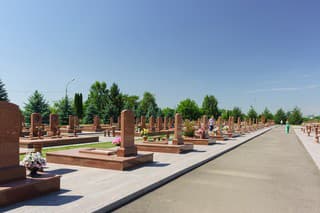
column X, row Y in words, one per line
column 201, row 133
column 34, row 162
column 144, row 133
column 117, row 141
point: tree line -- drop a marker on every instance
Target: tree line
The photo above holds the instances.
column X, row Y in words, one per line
column 109, row 102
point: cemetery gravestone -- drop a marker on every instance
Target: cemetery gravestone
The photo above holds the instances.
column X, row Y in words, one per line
column 53, row 124
column 14, row 185
column 178, row 139
column 36, row 122
column 143, row 122
column 165, row 123
column 127, row 146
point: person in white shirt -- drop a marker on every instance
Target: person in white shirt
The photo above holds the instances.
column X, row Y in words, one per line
column 211, row 123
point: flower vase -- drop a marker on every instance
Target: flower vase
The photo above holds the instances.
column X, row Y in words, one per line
column 33, row 172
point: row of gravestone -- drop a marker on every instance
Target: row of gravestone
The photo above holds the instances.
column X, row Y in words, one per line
column 37, row 128
column 158, row 125
column 10, row 127
column 308, row 128
column 10, row 169
column 203, row 122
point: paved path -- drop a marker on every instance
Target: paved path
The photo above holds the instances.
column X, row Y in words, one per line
column 85, row 189
column 272, row 173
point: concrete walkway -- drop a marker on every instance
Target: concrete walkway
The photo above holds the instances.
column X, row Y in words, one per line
column 86, row 189
column 308, row 142
column 272, row 173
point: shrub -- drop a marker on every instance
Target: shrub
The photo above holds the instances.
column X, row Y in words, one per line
column 188, row 128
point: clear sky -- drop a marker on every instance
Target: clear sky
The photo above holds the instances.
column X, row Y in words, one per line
column 245, row 52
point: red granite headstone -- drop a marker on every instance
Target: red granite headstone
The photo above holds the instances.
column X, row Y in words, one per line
column 143, row 122
column 71, row 122
column 205, row 122
column 178, row 139
column 36, row 122
column 165, row 123
column 159, row 124
column 151, row 124
column 10, row 122
column 76, row 121
column 96, row 123
column 127, row 146
column 111, row 121
column 119, row 122
column 170, row 123
column 53, row 124
column 239, row 123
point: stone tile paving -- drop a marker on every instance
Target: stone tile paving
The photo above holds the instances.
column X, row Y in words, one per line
column 89, row 189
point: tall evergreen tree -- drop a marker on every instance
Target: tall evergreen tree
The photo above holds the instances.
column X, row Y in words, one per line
column 90, row 112
column 114, row 104
column 147, row 105
column 37, row 104
column 63, row 109
column 236, row 113
column 210, row 106
column 295, row 116
column 168, row 112
column 267, row 114
column 252, row 114
column 226, row 113
column 280, row 115
column 78, row 105
column 3, row 92
column 98, row 98
column 131, row 102
column 152, row 111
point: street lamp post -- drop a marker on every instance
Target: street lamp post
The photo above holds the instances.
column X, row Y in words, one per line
column 68, row 85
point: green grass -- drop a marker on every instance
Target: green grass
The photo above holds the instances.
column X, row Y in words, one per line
column 96, row 145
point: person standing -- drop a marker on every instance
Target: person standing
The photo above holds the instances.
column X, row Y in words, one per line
column 211, row 124
column 281, row 122
column 287, row 128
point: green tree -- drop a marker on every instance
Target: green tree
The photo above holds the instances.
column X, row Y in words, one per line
column 36, row 104
column 90, row 112
column 267, row 114
column 252, row 114
column 159, row 113
column 115, row 103
column 78, row 105
column 98, row 97
column 168, row 112
column 151, row 111
column 225, row 114
column 295, row 117
column 3, row 92
column 188, row 109
column 280, row 115
column 63, row 109
column 236, row 113
column 210, row 106
column 147, row 105
column 131, row 102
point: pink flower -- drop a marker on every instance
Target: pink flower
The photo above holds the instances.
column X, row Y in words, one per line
column 116, row 141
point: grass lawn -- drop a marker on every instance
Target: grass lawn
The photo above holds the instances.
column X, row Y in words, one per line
column 51, row 149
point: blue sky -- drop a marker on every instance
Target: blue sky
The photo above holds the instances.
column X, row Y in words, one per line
column 245, row 52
